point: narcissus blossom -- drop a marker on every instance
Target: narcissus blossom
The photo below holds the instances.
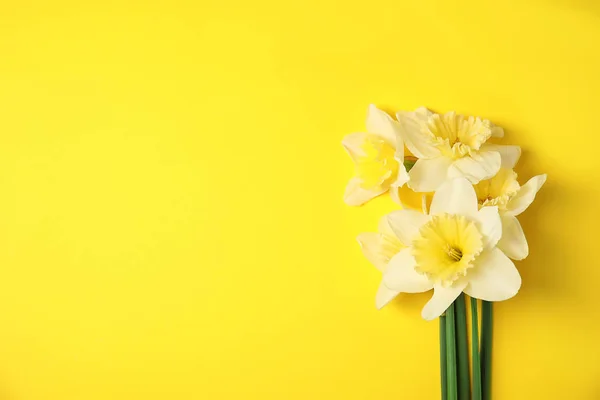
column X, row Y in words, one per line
column 504, row 192
column 378, row 156
column 452, row 146
column 454, row 249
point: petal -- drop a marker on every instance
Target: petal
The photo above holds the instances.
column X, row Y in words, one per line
column 412, row 124
column 494, row 277
column 355, row 195
column 513, row 242
column 395, row 194
column 353, row 144
column 384, row 226
column 490, row 226
column 427, row 175
column 384, row 296
column 456, row 196
column 370, row 244
column 400, row 274
column 406, row 224
column 477, row 167
column 509, row 154
column 441, row 299
column 399, row 145
column 381, row 124
column 400, row 181
column 497, row 132
column 525, row 195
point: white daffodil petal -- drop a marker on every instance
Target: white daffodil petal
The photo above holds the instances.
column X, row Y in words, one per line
column 497, row 132
column 513, row 242
column 412, row 124
column 441, row 299
column 406, row 224
column 355, row 195
column 353, row 144
column 509, row 154
column 384, row 226
column 399, row 154
column 427, row 175
column 381, row 124
column 489, row 225
column 400, row 181
column 477, row 167
column 400, row 274
column 395, row 194
column 403, row 176
column 370, row 244
column 525, row 195
column 456, row 196
column 494, row 277
column 384, row 296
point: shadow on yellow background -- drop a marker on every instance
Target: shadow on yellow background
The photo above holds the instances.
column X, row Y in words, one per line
column 171, row 218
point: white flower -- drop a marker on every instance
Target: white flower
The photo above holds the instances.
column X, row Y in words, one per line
column 452, row 146
column 379, row 159
column 452, row 250
column 379, row 248
column 512, row 199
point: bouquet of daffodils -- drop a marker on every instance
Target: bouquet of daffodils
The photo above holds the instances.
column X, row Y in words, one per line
column 464, row 238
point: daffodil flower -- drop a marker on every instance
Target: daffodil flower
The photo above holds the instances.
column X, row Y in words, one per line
column 504, row 192
column 452, row 250
column 379, row 248
column 451, row 146
column 378, row 156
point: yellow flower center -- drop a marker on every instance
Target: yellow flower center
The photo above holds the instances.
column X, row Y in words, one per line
column 454, row 254
column 446, row 248
column 456, row 135
column 498, row 190
column 377, row 166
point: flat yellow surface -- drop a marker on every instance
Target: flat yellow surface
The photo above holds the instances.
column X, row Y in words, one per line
column 171, row 216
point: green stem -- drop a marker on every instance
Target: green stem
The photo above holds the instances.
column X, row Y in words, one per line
column 451, row 353
column 443, row 374
column 486, row 349
column 475, row 350
column 462, row 348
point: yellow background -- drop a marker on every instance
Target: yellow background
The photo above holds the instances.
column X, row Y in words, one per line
column 171, row 216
